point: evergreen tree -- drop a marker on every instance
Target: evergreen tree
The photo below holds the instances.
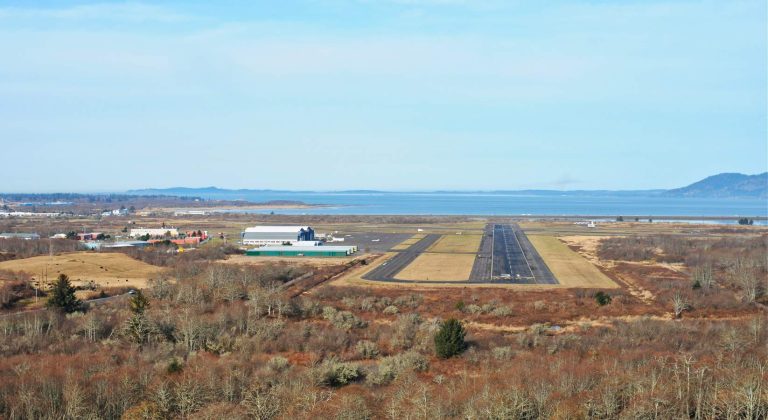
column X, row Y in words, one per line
column 139, row 303
column 602, row 298
column 449, row 341
column 63, row 296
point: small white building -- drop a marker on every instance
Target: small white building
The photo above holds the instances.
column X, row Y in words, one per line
column 116, row 212
column 25, row 236
column 154, row 232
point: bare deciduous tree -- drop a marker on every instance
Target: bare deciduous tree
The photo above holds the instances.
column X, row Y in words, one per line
column 679, row 304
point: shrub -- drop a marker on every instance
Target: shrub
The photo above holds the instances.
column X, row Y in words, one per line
column 343, row 319
column 334, row 373
column 473, row 309
column 449, row 340
column 405, row 330
column 390, row 310
column 278, row 364
column 602, row 298
column 391, row 367
column 174, row 367
column 411, row 301
column 460, row 305
column 502, row 311
column 502, row 353
column 367, row 304
column 488, row 308
column 367, row 349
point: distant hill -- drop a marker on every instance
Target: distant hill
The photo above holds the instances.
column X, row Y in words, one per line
column 189, row 191
column 727, row 185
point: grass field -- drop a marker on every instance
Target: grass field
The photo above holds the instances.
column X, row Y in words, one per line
column 408, row 242
column 570, row 268
column 439, row 267
column 457, row 244
column 105, row 269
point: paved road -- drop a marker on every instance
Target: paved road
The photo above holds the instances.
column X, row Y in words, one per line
column 390, row 268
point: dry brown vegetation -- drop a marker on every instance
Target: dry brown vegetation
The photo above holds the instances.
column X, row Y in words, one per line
column 106, row 269
column 228, row 341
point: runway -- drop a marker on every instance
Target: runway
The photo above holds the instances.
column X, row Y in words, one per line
column 505, row 256
column 389, row 269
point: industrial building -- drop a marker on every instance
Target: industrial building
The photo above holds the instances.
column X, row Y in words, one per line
column 153, row 232
column 302, row 251
column 277, row 235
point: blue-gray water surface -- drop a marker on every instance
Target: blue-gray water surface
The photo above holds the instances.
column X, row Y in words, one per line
column 500, row 204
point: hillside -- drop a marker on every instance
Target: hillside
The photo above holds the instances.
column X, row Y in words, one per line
column 726, row 185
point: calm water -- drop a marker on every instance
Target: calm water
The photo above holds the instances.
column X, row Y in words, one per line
column 492, row 204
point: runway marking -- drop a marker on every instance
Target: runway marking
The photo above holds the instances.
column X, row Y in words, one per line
column 524, row 257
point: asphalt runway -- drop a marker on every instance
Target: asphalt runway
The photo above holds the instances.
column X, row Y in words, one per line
column 509, row 261
column 390, row 268
column 481, row 269
column 505, row 256
column 515, row 259
column 541, row 272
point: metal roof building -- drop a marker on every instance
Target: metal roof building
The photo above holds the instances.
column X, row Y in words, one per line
column 277, row 235
column 26, row 236
column 302, row 251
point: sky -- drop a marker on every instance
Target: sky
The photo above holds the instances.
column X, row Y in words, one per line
column 381, row 94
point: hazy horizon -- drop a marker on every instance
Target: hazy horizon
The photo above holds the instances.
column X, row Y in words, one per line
column 341, row 190
column 394, row 95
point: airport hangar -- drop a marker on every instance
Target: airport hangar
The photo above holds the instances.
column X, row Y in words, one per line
column 302, row 251
column 278, row 235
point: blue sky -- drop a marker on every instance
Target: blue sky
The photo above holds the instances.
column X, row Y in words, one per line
column 381, row 94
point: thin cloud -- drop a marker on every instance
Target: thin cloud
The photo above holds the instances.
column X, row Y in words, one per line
column 128, row 12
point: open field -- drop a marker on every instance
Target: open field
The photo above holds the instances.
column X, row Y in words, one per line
column 106, row 269
column 457, row 244
column 439, row 267
column 570, row 269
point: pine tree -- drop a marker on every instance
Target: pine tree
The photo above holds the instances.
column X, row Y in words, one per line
column 449, row 341
column 63, row 296
column 139, row 303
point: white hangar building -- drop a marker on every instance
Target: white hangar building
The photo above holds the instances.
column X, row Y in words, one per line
column 277, row 235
